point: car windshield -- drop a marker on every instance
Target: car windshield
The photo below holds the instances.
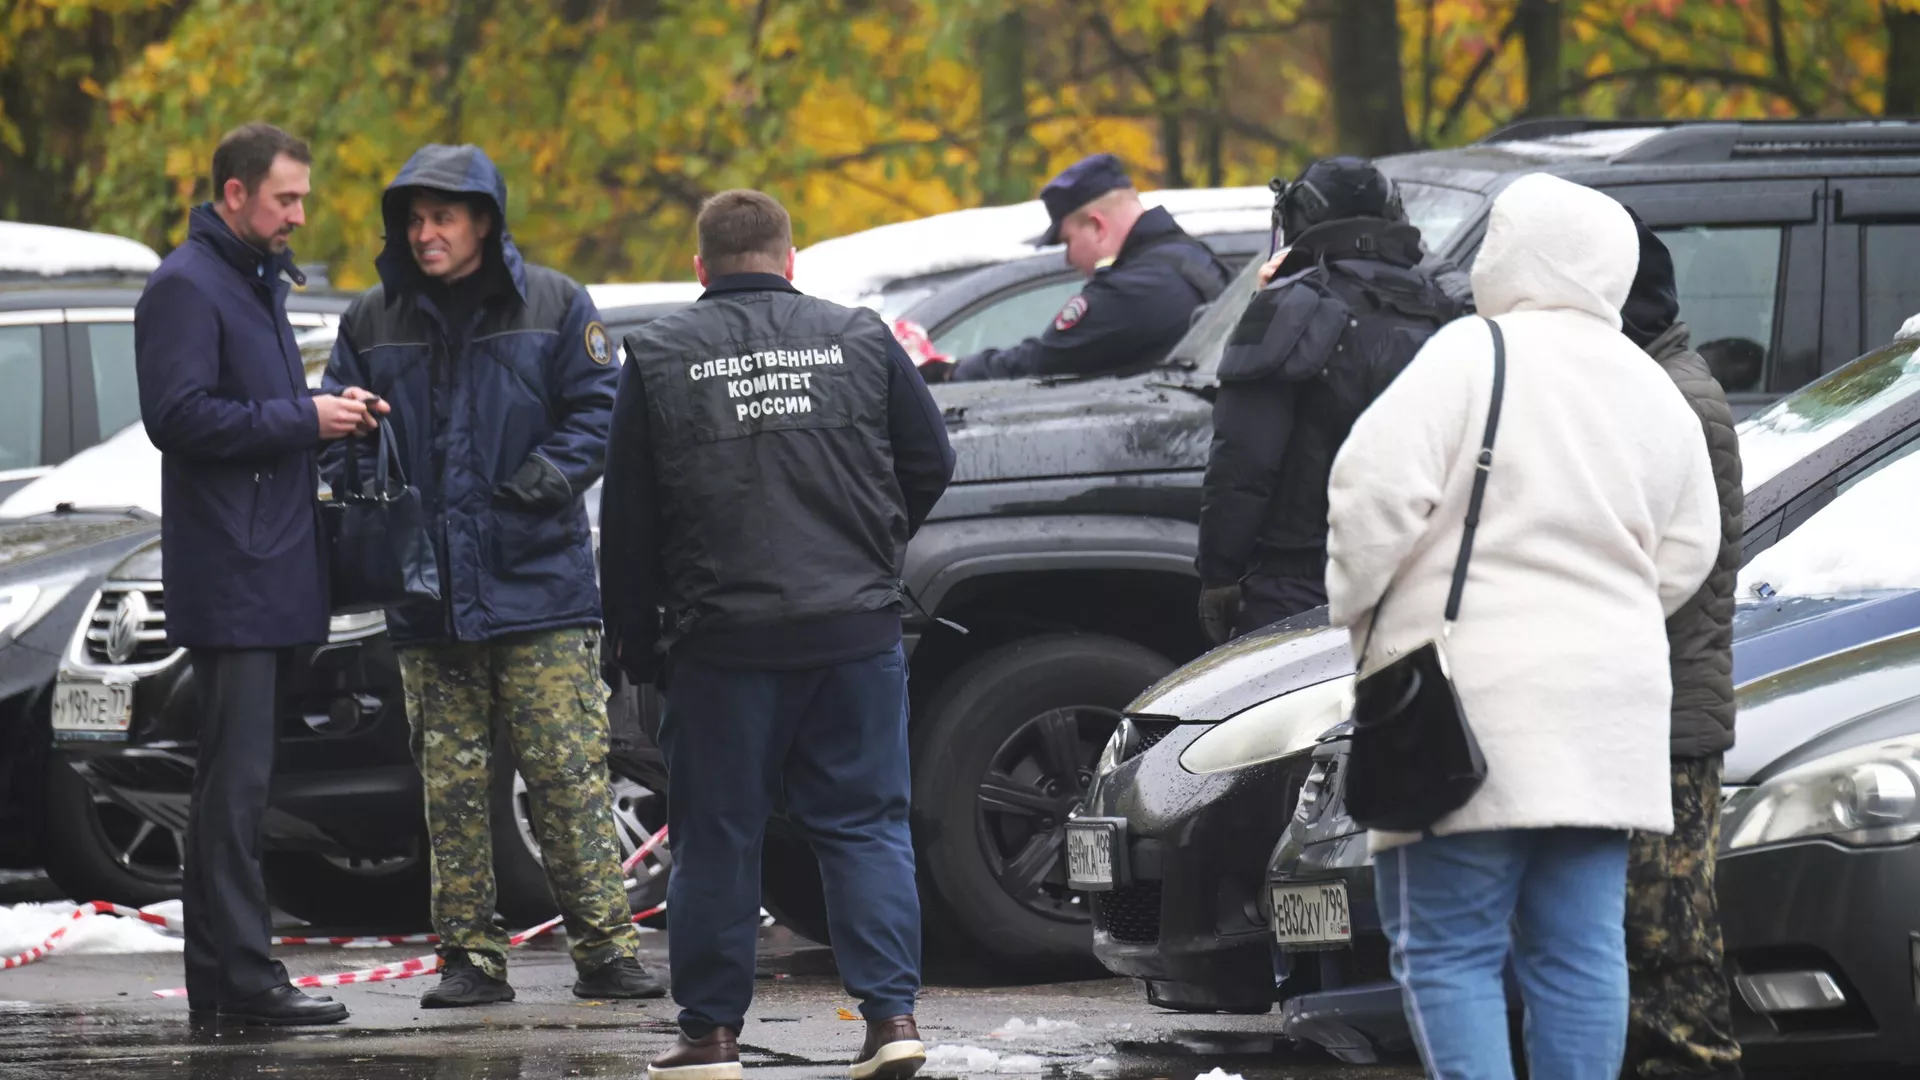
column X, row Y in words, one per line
column 1793, row 427
column 1438, row 212
column 1859, row 544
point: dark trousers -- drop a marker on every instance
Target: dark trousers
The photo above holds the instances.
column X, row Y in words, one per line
column 1267, row 599
column 229, row 925
column 834, row 741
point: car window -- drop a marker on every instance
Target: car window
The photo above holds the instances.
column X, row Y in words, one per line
column 1008, row 319
column 1439, row 212
column 1889, row 279
column 1728, row 279
column 116, row 389
column 1860, row 543
column 1797, row 425
column 24, row 376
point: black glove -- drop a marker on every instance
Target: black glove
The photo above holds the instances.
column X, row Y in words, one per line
column 936, row 371
column 536, row 487
column 1219, row 610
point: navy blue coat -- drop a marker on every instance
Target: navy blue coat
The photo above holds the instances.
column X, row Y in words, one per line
column 528, row 376
column 223, row 396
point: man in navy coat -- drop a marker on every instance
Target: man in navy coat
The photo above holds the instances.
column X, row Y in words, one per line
column 224, row 398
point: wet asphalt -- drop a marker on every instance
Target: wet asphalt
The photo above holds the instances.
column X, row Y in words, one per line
column 93, row 1017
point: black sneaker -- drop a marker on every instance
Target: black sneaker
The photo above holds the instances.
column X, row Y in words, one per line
column 462, row 984
column 622, row 978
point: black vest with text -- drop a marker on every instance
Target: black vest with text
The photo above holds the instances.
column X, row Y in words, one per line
column 768, row 413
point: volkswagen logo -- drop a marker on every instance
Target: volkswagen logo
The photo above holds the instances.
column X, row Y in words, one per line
column 123, row 634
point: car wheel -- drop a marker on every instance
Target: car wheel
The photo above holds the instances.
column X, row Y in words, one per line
column 1004, row 753
column 790, row 883
column 390, row 894
column 523, row 895
column 96, row 849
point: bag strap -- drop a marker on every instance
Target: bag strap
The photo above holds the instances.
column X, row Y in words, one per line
column 1482, row 467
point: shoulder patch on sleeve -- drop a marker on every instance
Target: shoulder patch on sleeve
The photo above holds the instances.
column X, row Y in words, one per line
column 1072, row 313
column 599, row 350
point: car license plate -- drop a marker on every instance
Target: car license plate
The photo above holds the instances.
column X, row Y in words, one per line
column 1311, row 914
column 1091, row 854
column 92, row 709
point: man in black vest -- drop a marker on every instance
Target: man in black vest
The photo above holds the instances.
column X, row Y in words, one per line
column 1145, row 278
column 1346, row 310
column 771, row 455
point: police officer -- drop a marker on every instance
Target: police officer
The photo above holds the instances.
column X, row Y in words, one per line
column 1146, row 278
column 1346, row 309
column 771, row 455
column 500, row 379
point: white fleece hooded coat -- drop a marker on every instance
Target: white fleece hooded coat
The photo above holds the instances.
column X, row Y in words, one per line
column 1599, row 521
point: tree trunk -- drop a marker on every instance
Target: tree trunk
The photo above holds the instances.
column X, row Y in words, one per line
column 1006, row 157
column 1212, row 132
column 1539, row 22
column 1369, row 107
column 1903, row 62
column 1170, row 126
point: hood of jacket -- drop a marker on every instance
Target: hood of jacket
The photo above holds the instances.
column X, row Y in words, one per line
column 1653, row 303
column 1673, row 342
column 1553, row 245
column 463, row 170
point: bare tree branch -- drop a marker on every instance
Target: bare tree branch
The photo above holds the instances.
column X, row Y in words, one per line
column 1458, row 107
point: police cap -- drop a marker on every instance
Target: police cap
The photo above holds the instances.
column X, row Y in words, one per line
column 1077, row 185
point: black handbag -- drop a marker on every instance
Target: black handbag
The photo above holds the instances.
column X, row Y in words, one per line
column 1413, row 758
column 379, row 550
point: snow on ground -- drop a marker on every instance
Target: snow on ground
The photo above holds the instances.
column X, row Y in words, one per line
column 1860, row 543
column 52, row 251
column 24, row 926
column 974, row 1060
column 1219, row 1074
column 1016, row 1028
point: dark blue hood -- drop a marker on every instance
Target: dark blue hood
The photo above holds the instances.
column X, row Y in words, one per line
column 464, row 170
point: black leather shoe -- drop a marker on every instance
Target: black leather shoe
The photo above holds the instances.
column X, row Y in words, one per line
column 623, row 978
column 713, row 1056
column 462, row 984
column 283, row 1006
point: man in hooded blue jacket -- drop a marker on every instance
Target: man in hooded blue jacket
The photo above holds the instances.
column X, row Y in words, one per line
column 501, row 380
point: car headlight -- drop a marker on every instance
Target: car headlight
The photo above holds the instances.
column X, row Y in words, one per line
column 1272, row 729
column 1864, row 797
column 27, row 603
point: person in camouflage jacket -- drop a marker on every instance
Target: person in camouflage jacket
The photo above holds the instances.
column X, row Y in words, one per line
column 1680, row 1019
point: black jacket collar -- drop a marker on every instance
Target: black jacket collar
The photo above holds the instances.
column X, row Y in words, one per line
column 206, row 226
column 749, row 282
column 1394, row 242
column 1154, row 227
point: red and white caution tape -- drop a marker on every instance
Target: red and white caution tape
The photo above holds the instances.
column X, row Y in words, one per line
column 644, row 850
column 406, row 969
column 84, row 911
column 350, row 942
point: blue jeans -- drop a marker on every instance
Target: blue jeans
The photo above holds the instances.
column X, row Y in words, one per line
column 1455, row 907
column 833, row 742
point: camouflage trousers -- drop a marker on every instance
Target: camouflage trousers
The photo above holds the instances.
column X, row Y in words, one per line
column 1680, row 1021
column 543, row 692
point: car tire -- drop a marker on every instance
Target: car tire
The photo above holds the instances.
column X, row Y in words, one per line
column 1038, row 711
column 790, row 886
column 522, row 896
column 95, row 849
column 366, row 896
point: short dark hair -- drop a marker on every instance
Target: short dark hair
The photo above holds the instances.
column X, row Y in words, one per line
column 247, row 154
column 478, row 205
column 740, row 226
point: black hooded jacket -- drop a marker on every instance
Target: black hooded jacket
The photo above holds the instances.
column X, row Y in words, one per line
column 1346, row 311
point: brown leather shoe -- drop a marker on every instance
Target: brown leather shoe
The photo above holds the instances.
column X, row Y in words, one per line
column 893, row 1050
column 714, row 1056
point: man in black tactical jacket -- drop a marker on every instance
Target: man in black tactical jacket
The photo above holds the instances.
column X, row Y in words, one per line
column 1145, row 278
column 771, row 455
column 1346, row 310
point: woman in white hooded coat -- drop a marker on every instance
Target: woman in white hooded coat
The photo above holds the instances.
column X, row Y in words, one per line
column 1599, row 521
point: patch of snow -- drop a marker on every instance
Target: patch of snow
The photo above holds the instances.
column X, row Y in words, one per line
column 50, row 251
column 1594, row 145
column 858, row 267
column 1102, row 1064
column 1861, row 542
column 615, row 294
column 120, row 472
column 24, row 926
column 973, row 1060
column 1219, row 1074
column 1017, row 1028
column 1783, row 433
column 1909, row 330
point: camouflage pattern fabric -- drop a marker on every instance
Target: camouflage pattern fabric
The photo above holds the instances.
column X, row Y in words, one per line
column 1680, row 1022
column 543, row 690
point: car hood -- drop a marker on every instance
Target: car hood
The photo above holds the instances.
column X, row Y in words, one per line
column 123, row 471
column 1027, row 429
column 1285, row 657
column 25, row 543
column 1837, row 701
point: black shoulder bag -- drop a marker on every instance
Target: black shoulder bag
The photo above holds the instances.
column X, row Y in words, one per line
column 379, row 552
column 1414, row 758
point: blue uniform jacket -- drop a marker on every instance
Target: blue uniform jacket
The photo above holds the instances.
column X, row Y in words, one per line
column 224, row 398
column 529, row 375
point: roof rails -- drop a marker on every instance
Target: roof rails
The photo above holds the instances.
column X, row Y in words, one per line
column 1743, row 140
